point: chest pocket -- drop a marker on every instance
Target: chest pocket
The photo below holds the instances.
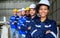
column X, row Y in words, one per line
column 47, row 26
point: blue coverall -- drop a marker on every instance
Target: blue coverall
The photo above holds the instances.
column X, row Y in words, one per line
column 38, row 29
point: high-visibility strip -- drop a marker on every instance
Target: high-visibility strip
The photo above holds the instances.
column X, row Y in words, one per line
column 33, row 32
column 53, row 34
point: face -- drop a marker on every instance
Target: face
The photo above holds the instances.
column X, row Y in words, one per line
column 27, row 13
column 19, row 13
column 23, row 12
column 14, row 13
column 32, row 12
column 43, row 11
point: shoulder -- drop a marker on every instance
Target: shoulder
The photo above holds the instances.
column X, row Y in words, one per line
column 12, row 17
column 37, row 21
column 37, row 17
column 52, row 21
column 17, row 16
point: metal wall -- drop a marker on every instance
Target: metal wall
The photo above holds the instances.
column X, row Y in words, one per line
column 54, row 10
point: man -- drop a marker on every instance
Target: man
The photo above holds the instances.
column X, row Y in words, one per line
column 27, row 12
column 13, row 23
column 18, row 35
column 33, row 12
column 21, row 26
column 32, row 18
column 19, row 12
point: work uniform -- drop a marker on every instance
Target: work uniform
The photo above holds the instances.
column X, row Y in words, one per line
column 38, row 29
column 21, row 27
column 29, row 23
column 13, row 25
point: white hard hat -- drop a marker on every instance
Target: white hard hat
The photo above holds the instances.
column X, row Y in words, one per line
column 23, row 9
column 46, row 2
column 32, row 6
column 19, row 10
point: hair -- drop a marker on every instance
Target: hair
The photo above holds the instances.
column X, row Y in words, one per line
column 39, row 5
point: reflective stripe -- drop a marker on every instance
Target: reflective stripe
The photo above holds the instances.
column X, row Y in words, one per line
column 38, row 25
column 22, row 24
column 12, row 22
column 33, row 32
column 15, row 21
column 27, row 21
column 53, row 34
column 32, row 20
column 23, row 35
column 17, row 18
column 18, row 23
column 19, row 27
column 47, row 26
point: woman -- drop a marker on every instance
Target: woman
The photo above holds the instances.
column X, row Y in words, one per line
column 49, row 25
column 44, row 27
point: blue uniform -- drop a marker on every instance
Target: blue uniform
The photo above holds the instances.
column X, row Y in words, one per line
column 13, row 25
column 38, row 29
column 30, row 21
column 21, row 25
column 13, row 21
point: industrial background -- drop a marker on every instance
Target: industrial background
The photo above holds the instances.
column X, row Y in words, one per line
column 6, row 7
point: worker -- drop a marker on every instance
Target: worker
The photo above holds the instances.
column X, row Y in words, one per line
column 21, row 26
column 13, row 23
column 33, row 17
column 18, row 23
column 44, row 27
column 27, row 12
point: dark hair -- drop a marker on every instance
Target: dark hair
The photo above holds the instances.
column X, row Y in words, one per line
column 39, row 5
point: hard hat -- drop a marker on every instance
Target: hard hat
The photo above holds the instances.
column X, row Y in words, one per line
column 27, row 8
column 32, row 6
column 15, row 10
column 19, row 10
column 23, row 9
column 46, row 2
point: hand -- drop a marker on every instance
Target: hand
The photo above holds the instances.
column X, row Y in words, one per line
column 12, row 22
column 48, row 31
column 29, row 28
column 19, row 27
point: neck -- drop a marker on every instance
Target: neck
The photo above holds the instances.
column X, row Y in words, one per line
column 43, row 19
column 14, row 15
column 20, row 16
column 32, row 17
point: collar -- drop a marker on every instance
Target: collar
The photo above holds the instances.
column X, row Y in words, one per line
column 36, row 17
column 15, row 15
column 46, row 20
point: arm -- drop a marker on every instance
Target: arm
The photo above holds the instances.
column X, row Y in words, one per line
column 53, row 29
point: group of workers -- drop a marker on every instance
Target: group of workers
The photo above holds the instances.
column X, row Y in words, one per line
column 25, row 22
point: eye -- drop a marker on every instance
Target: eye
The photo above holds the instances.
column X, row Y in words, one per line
column 40, row 9
column 45, row 9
